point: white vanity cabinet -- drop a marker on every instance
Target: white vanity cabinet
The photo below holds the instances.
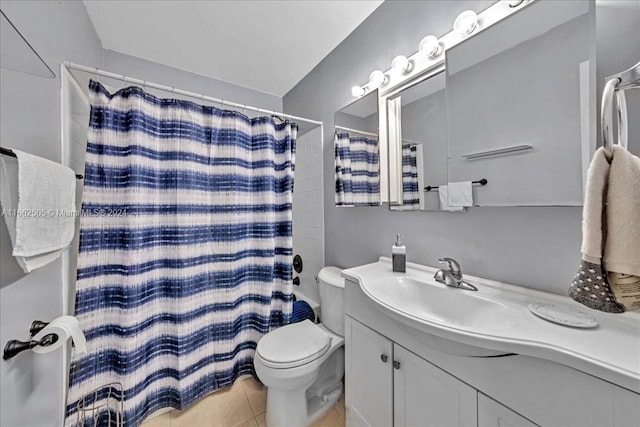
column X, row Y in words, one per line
column 369, row 382
column 493, row 414
column 387, row 385
column 426, row 395
column 400, row 376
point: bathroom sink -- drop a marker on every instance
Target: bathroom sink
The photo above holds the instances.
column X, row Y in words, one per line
column 496, row 320
column 432, row 302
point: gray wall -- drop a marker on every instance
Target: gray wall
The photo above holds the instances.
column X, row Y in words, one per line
column 140, row 68
column 31, row 389
column 536, row 247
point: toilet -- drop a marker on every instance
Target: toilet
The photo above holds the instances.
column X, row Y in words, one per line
column 302, row 364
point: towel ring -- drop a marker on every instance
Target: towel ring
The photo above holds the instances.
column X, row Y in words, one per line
column 615, row 87
column 606, row 112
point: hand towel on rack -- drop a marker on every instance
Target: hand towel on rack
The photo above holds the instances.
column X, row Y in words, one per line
column 443, row 194
column 38, row 199
column 622, row 244
column 590, row 285
column 460, row 194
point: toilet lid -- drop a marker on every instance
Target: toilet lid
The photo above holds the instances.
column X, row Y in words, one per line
column 293, row 345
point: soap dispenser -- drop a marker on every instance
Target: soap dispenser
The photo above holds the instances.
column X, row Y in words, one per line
column 399, row 256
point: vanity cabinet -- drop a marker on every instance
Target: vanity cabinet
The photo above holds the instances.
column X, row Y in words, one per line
column 438, row 382
column 426, row 395
column 492, row 414
column 387, row 385
column 369, row 384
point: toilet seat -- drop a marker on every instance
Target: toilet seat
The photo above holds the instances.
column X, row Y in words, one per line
column 293, row 345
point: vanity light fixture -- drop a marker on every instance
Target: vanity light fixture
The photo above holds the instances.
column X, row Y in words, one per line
column 430, row 46
column 466, row 23
column 358, row 91
column 377, row 78
column 402, row 64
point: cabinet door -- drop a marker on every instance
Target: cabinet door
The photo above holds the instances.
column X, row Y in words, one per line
column 425, row 395
column 493, row 414
column 368, row 376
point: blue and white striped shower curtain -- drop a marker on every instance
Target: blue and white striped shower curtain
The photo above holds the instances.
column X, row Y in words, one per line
column 185, row 247
column 410, row 190
column 357, row 164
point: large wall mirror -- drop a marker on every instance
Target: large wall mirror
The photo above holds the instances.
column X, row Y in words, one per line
column 520, row 98
column 357, row 153
column 512, row 110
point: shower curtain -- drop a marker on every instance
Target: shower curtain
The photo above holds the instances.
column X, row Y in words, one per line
column 410, row 190
column 185, row 248
column 357, row 164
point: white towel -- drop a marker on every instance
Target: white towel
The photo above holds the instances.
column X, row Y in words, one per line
column 443, row 193
column 622, row 244
column 592, row 218
column 460, row 194
column 38, row 203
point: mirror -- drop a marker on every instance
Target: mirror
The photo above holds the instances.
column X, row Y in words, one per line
column 357, row 153
column 420, row 111
column 517, row 118
column 521, row 106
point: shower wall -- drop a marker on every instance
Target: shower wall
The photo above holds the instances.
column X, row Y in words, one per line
column 308, row 213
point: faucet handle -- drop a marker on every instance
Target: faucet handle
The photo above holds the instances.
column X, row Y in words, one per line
column 454, row 267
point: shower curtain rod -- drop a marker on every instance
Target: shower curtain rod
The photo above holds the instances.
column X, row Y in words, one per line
column 356, row 131
column 145, row 83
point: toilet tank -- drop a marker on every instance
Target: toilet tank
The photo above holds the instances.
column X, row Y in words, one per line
column 331, row 286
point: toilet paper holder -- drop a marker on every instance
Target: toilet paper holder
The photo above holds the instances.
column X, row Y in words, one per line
column 14, row 347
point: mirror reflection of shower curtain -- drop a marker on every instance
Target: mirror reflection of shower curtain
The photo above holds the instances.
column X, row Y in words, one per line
column 357, row 170
column 412, row 197
column 185, row 247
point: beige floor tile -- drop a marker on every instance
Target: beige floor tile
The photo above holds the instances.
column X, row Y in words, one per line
column 257, row 395
column 251, row 422
column 224, row 408
column 331, row 419
column 163, row 420
column 262, row 420
column 339, row 406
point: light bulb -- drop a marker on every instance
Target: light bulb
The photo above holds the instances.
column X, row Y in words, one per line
column 430, row 46
column 401, row 63
column 377, row 79
column 466, row 23
column 357, row 91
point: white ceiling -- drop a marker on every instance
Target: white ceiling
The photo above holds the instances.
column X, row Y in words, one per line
column 264, row 45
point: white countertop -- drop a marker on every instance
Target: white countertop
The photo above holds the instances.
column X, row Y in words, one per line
column 610, row 351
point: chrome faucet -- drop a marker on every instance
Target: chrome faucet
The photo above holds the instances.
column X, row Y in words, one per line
column 452, row 276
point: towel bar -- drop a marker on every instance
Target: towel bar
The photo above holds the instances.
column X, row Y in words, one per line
column 10, row 153
column 482, row 181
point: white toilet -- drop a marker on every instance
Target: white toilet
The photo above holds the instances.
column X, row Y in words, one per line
column 302, row 364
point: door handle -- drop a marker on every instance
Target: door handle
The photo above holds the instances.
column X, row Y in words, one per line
column 384, row 358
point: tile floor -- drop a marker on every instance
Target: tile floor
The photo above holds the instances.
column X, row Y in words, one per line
column 242, row 405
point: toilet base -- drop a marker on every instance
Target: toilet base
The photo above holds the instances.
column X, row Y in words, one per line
column 301, row 411
column 304, row 405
